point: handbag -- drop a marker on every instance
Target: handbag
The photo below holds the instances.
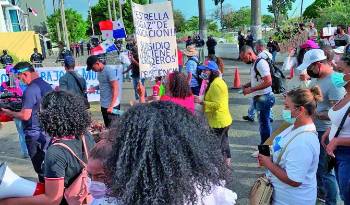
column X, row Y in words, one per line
column 261, row 192
column 331, row 162
column 78, row 193
column 86, row 102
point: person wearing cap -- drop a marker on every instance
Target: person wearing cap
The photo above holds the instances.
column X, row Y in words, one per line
column 63, row 52
column 36, row 58
column 273, row 47
column 317, row 66
column 5, row 59
column 261, row 90
column 216, row 106
column 36, row 139
column 191, row 68
column 72, row 81
column 109, row 88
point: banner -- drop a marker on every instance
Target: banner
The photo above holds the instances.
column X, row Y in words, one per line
column 52, row 76
column 156, row 39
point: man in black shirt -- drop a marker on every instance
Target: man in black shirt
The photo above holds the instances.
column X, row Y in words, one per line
column 5, row 59
column 211, row 43
column 36, row 58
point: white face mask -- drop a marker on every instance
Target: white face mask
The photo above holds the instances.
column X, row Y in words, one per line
column 97, row 189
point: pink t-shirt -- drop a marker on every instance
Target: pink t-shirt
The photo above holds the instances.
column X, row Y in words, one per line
column 187, row 103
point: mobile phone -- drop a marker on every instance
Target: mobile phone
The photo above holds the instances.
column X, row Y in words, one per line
column 264, row 150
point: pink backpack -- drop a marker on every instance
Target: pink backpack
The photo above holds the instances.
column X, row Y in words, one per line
column 78, row 192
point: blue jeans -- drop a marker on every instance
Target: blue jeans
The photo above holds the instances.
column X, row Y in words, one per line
column 342, row 172
column 252, row 111
column 135, row 81
column 326, row 181
column 21, row 137
column 274, row 54
column 263, row 105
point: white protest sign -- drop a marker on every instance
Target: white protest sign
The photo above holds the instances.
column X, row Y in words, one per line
column 156, row 39
column 329, row 31
column 52, row 76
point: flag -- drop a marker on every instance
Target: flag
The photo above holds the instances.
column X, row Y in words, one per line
column 118, row 29
column 112, row 29
column 104, row 47
column 31, row 10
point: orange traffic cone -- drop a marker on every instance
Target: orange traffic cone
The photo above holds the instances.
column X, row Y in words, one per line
column 237, row 80
column 291, row 74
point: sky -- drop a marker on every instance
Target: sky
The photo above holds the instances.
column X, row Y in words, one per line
column 188, row 7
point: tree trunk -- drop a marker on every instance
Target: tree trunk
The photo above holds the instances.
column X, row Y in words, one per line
column 202, row 20
column 221, row 16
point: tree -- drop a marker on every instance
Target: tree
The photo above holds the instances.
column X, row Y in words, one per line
column 279, row 9
column 212, row 25
column 75, row 25
column 267, row 19
column 314, row 10
column 217, row 2
column 100, row 13
column 179, row 20
column 192, row 24
column 337, row 14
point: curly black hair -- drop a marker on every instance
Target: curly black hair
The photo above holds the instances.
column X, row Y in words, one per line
column 161, row 155
column 63, row 114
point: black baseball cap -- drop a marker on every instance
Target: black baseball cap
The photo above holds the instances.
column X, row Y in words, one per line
column 90, row 61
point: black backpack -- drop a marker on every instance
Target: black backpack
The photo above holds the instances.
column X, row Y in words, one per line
column 198, row 71
column 277, row 76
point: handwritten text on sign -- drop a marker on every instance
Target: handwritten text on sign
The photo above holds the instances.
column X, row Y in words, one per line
column 156, row 39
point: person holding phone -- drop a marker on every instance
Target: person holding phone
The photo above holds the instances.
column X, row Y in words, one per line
column 292, row 168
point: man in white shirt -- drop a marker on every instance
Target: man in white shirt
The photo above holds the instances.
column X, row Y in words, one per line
column 260, row 87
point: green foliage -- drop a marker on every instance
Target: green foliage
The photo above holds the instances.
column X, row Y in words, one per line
column 279, row 9
column 240, row 18
column 192, row 24
column 212, row 26
column 267, row 19
column 337, row 14
column 314, row 10
column 76, row 25
column 179, row 20
column 100, row 13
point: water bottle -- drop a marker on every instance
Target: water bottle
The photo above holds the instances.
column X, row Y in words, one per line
column 117, row 112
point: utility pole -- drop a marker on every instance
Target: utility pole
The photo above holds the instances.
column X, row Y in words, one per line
column 64, row 24
column 121, row 11
column 256, row 19
column 92, row 23
column 109, row 9
column 114, row 10
column 202, row 20
column 58, row 28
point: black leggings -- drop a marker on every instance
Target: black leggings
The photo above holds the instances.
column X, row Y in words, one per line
column 225, row 143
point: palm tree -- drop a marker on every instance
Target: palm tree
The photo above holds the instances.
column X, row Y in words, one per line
column 217, row 2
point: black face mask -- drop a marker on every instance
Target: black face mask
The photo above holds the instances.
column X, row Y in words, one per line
column 249, row 62
column 312, row 74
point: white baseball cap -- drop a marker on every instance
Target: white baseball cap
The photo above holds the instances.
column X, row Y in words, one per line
column 310, row 57
column 339, row 50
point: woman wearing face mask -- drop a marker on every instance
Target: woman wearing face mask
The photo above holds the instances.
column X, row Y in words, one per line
column 339, row 146
column 216, row 107
column 292, row 169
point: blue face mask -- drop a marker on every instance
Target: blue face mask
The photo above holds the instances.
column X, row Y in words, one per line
column 287, row 116
column 204, row 76
column 338, row 79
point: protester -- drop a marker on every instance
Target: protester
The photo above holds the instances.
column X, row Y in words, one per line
column 329, row 52
column 96, row 168
column 63, row 52
column 36, row 139
column 81, row 44
column 72, row 81
column 312, row 33
column 273, row 47
column 66, row 121
column 216, row 107
column 241, row 41
column 341, row 38
column 189, row 41
column 88, row 47
column 162, row 154
column 36, row 58
column 338, row 146
column 249, row 39
column 317, row 66
column 177, row 91
column 13, row 86
column 77, row 49
column 180, row 60
column 191, row 68
column 49, row 47
column 260, row 48
column 260, row 87
column 211, row 43
column 5, row 59
column 219, row 61
column 109, row 88
column 292, row 169
column 135, row 70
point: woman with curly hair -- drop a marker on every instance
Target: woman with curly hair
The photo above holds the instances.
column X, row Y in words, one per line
column 64, row 118
column 177, row 90
column 216, row 107
column 162, row 154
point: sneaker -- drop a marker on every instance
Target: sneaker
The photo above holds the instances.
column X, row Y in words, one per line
column 255, row 154
column 247, row 118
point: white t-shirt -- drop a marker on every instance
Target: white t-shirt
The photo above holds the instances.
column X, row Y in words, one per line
column 300, row 161
column 265, row 55
column 264, row 70
column 312, row 32
column 336, row 118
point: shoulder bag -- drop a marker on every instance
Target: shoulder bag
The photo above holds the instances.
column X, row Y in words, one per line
column 86, row 102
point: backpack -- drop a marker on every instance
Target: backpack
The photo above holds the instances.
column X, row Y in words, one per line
column 277, row 76
column 78, row 192
column 198, row 71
